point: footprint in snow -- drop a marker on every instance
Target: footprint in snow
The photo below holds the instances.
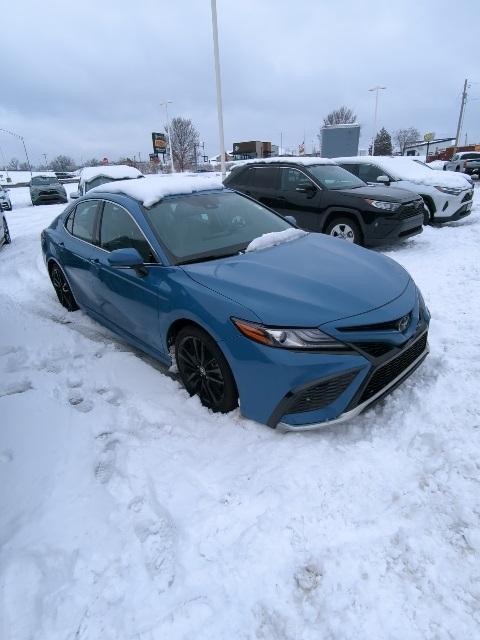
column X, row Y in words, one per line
column 112, row 396
column 77, row 400
column 15, row 387
column 106, row 463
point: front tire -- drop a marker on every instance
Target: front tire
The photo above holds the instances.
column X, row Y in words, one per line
column 204, row 370
column 7, row 239
column 62, row 289
column 345, row 229
column 427, row 216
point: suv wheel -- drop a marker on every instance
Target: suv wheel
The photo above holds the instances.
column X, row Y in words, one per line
column 204, row 370
column 344, row 228
column 6, row 233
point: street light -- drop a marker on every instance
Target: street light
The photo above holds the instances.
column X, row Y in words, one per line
column 16, row 135
column 219, row 86
column 376, row 89
column 165, row 104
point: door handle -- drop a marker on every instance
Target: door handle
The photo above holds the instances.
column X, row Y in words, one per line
column 61, row 244
column 95, row 261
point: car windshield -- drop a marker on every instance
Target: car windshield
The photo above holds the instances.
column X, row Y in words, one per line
column 98, row 180
column 331, row 176
column 41, row 180
column 204, row 226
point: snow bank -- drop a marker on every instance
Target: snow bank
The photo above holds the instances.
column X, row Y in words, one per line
column 116, row 172
column 404, row 168
column 152, row 189
column 274, row 238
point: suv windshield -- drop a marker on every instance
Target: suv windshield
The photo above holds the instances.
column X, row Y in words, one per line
column 332, row 176
column 199, row 227
column 40, row 180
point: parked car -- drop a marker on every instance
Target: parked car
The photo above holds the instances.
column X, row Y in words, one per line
column 4, row 232
column 303, row 329
column 47, row 189
column 446, row 196
column 91, row 177
column 465, row 161
column 323, row 197
column 5, row 201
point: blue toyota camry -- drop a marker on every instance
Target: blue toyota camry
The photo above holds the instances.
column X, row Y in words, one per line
column 300, row 329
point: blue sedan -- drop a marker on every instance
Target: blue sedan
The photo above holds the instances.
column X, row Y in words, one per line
column 300, row 329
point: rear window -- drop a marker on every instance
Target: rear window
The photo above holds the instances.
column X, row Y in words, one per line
column 42, row 180
column 471, row 156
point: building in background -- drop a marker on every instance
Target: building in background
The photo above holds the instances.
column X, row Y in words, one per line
column 338, row 140
column 253, row 149
column 435, row 147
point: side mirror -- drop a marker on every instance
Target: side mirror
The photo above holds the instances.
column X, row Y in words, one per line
column 291, row 219
column 306, row 187
column 74, row 195
column 128, row 258
column 384, row 180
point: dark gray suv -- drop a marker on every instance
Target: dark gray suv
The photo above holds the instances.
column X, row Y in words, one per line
column 47, row 189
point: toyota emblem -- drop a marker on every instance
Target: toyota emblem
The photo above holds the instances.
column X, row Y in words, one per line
column 403, row 323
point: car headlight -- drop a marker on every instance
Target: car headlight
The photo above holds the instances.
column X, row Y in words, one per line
column 381, row 204
column 452, row 191
column 289, row 338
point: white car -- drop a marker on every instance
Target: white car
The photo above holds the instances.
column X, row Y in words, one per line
column 5, row 201
column 447, row 196
column 459, row 162
column 91, row 177
column 4, row 232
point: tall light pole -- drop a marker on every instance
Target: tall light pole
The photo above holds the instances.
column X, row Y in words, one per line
column 16, row 135
column 165, row 104
column 376, row 89
column 460, row 117
column 219, row 86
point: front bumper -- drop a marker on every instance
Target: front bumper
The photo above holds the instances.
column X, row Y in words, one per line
column 450, row 208
column 464, row 211
column 391, row 228
column 56, row 196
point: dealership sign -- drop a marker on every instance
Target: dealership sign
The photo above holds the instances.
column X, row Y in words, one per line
column 159, row 141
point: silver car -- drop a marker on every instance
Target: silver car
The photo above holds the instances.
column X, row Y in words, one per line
column 47, row 189
column 5, row 201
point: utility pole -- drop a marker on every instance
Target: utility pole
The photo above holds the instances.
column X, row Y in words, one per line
column 460, row 117
column 376, row 89
column 216, row 56
column 165, row 104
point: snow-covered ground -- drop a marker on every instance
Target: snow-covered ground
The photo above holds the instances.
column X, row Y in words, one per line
column 128, row 511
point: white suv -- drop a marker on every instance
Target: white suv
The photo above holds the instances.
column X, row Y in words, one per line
column 447, row 196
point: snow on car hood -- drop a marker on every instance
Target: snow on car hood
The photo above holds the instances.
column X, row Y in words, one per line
column 403, row 168
column 314, row 280
column 274, row 238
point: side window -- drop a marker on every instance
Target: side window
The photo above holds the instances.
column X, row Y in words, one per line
column 69, row 222
column 353, row 168
column 84, row 221
column 455, row 157
column 241, row 177
column 265, row 177
column 370, row 173
column 291, row 178
column 119, row 231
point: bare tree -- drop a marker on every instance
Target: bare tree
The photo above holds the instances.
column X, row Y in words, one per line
column 343, row 115
column 23, row 166
column 406, row 137
column 185, row 139
column 13, row 164
column 93, row 162
column 62, row 163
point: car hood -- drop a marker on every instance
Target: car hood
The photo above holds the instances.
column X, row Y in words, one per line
column 388, row 194
column 305, row 282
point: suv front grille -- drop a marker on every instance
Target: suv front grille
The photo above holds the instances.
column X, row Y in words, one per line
column 321, row 394
column 375, row 349
column 410, row 210
column 387, row 372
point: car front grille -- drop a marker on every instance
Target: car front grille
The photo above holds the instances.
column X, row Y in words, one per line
column 410, row 210
column 390, row 325
column 375, row 349
column 321, row 394
column 386, row 373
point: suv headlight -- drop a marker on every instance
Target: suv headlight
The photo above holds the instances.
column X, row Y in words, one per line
column 289, row 338
column 381, row 204
column 452, row 191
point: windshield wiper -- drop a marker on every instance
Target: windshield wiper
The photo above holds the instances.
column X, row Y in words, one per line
column 208, row 257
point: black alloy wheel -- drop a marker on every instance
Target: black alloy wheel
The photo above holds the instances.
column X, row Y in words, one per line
column 6, row 233
column 62, row 289
column 204, row 370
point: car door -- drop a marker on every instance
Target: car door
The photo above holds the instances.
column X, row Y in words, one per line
column 127, row 299
column 76, row 251
column 261, row 183
column 370, row 172
column 300, row 197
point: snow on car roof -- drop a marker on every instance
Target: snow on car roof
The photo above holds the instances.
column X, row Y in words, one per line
column 404, row 168
column 152, row 189
column 302, row 160
column 116, row 172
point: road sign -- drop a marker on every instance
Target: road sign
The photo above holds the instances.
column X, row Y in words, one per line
column 428, row 137
column 159, row 141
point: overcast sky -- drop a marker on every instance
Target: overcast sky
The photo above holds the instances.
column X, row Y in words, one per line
column 86, row 79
